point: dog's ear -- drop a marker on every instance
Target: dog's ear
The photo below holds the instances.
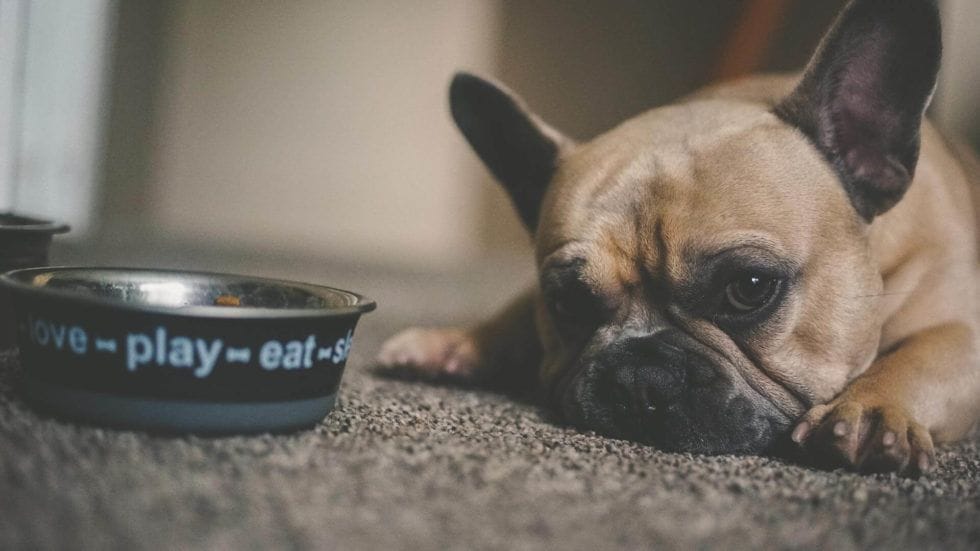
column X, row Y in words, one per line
column 864, row 93
column 520, row 150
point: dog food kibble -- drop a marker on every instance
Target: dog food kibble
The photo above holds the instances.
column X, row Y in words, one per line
column 227, row 300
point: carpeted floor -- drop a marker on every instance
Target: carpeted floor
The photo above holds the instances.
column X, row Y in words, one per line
column 404, row 465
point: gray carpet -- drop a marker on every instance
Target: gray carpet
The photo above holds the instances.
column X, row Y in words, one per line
column 405, row 465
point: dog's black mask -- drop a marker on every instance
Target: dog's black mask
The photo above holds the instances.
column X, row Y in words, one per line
column 665, row 389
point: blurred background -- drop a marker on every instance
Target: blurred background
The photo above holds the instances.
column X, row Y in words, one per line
column 311, row 138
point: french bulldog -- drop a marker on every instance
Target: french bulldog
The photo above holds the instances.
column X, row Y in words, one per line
column 779, row 261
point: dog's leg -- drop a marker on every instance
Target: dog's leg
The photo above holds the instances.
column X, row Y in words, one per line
column 503, row 351
column 926, row 390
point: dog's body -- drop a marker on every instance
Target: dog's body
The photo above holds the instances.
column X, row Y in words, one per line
column 754, row 258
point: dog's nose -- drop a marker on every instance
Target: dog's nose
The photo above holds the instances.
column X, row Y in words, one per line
column 648, row 376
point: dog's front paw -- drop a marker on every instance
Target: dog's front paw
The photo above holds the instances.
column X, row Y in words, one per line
column 432, row 353
column 862, row 435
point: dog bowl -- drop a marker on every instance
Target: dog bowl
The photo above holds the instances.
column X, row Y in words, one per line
column 181, row 351
column 24, row 243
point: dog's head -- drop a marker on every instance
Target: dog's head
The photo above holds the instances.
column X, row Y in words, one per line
column 705, row 273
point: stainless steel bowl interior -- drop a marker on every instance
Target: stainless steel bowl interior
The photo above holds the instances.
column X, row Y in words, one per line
column 167, row 290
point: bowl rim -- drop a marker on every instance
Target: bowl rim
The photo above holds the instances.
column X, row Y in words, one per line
column 32, row 224
column 361, row 305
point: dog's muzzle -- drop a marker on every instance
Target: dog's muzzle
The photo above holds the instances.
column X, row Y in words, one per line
column 662, row 390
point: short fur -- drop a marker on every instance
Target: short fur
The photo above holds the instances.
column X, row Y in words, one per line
column 828, row 190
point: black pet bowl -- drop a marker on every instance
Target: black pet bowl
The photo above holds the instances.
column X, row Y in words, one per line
column 24, row 243
column 179, row 351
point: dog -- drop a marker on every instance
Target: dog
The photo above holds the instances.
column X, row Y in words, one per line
column 782, row 262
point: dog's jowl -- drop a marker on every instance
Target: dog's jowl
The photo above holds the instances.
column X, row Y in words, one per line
column 779, row 260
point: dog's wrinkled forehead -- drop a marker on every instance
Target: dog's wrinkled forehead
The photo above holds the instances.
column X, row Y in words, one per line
column 701, row 175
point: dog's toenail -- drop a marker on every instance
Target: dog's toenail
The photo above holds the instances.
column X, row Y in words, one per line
column 840, row 429
column 924, row 462
column 800, row 432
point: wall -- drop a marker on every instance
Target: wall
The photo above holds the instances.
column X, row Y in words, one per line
column 318, row 127
column 53, row 69
column 958, row 97
column 12, row 34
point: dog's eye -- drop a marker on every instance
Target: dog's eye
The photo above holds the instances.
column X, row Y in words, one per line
column 574, row 303
column 749, row 292
column 576, row 309
column 576, row 306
